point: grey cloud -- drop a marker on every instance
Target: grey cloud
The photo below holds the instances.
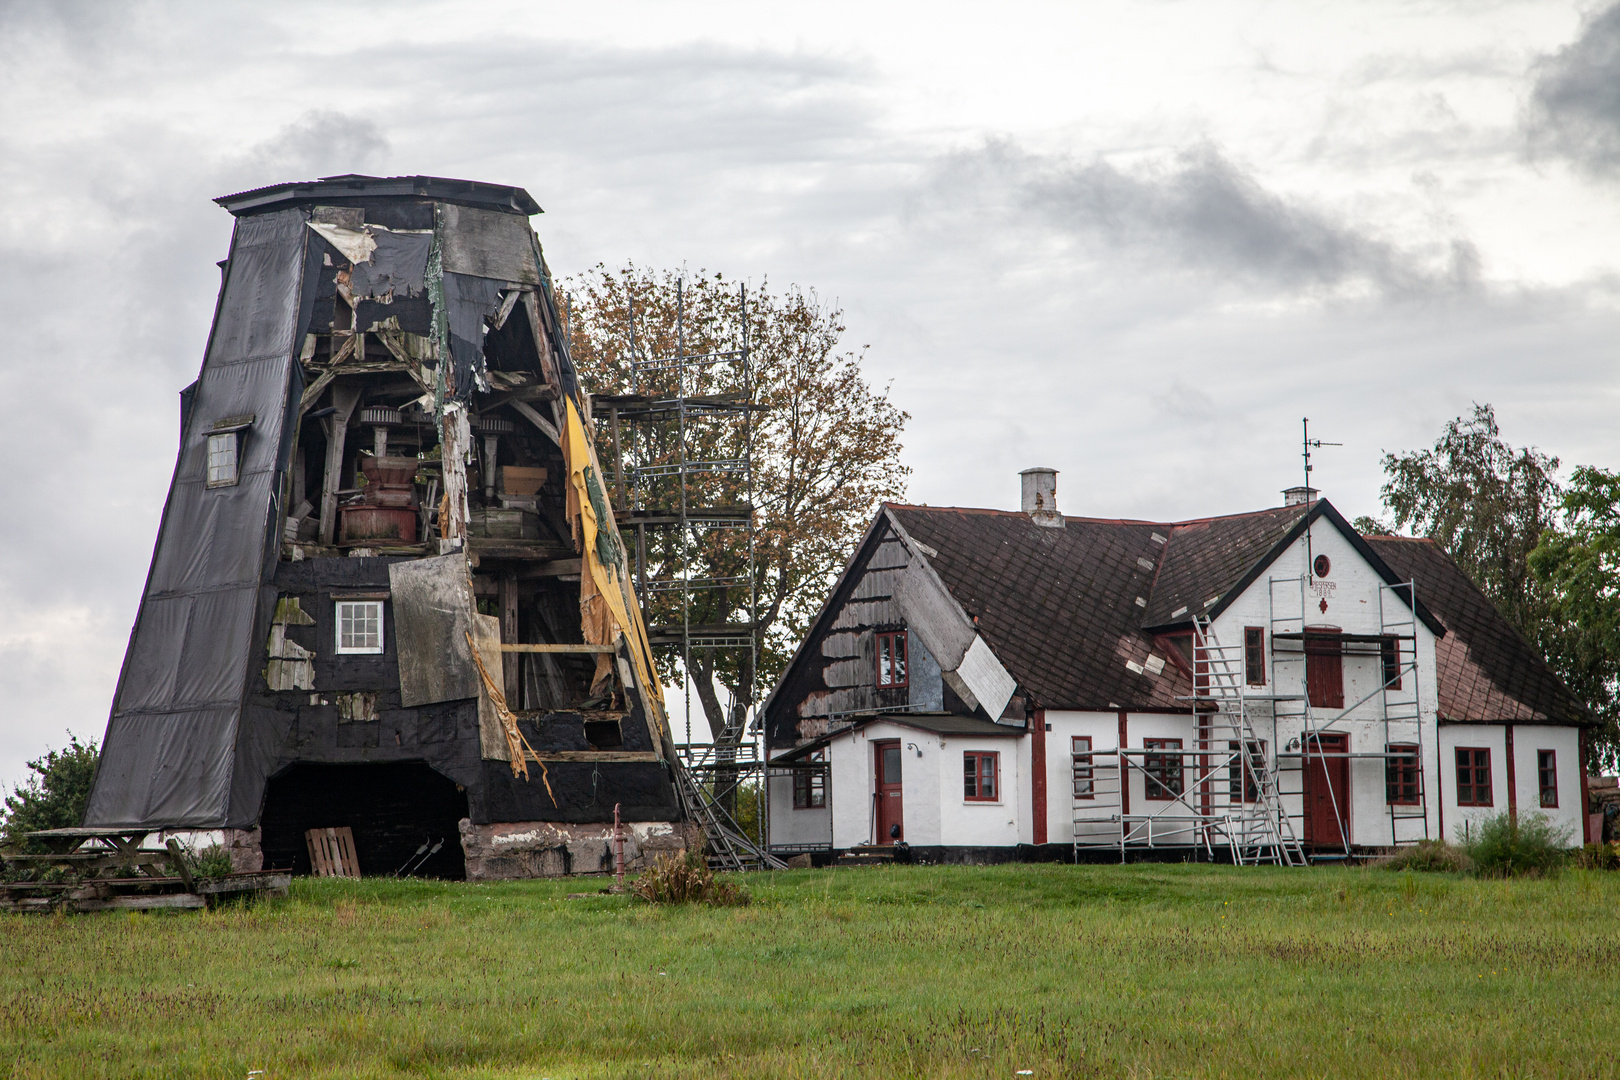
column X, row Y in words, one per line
column 1575, row 103
column 1204, row 213
column 319, row 143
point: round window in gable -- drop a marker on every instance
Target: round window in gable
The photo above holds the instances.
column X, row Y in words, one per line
column 1322, row 565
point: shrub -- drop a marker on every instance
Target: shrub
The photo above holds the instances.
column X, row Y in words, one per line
column 213, row 861
column 53, row 798
column 687, row 879
column 1503, row 846
column 1598, row 857
column 1429, row 855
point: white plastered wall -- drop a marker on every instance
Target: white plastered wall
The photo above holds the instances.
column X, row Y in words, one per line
column 798, row 827
column 1461, row 821
column 1352, row 592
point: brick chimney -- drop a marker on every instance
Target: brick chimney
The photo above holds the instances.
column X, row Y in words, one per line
column 1040, row 497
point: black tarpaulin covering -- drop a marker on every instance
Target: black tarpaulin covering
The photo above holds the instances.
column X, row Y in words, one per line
column 171, row 741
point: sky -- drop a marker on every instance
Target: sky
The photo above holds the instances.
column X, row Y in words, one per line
column 1133, row 241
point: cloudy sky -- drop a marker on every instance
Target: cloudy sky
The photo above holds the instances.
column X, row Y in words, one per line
column 1134, row 241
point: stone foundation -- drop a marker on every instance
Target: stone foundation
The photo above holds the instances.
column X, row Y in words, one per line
column 246, row 855
column 532, row 849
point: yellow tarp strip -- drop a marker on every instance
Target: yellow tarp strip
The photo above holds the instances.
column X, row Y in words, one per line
column 609, row 581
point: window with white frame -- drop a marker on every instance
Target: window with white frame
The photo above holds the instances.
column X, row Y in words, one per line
column 359, row 626
column 1080, row 752
column 223, row 459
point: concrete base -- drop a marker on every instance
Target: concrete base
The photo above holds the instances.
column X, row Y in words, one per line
column 506, row 851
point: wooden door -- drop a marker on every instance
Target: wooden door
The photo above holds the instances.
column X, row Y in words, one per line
column 890, row 816
column 1327, row 791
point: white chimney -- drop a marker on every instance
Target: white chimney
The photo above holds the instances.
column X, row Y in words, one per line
column 1040, row 497
column 1296, row 496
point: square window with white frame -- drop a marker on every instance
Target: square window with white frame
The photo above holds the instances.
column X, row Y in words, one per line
column 223, row 459
column 359, row 626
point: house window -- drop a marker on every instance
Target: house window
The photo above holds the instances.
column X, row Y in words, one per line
column 1390, row 650
column 810, row 786
column 1254, row 654
column 1473, row 776
column 1164, row 773
column 1080, row 750
column 223, row 459
column 1547, row 777
column 1324, row 667
column 1243, row 776
column 1401, row 774
column 359, row 626
column 981, row 775
column 891, row 658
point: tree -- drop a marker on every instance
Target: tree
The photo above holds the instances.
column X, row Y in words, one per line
column 54, row 797
column 1578, row 565
column 825, row 446
column 1486, row 503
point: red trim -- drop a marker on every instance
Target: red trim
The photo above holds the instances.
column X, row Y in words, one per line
column 978, row 757
column 1037, row 786
column 1124, row 776
column 1512, row 779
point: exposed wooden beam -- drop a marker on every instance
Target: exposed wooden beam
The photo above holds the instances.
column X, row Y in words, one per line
column 556, row 648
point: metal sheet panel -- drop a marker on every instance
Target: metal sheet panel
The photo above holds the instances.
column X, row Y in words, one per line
column 983, row 674
column 433, row 613
column 933, row 614
column 487, row 244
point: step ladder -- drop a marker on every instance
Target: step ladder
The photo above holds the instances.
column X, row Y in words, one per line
column 1258, row 830
column 728, row 848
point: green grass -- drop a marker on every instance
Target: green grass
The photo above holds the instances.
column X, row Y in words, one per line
column 954, row 972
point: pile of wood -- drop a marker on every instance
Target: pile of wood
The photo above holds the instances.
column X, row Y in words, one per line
column 109, row 870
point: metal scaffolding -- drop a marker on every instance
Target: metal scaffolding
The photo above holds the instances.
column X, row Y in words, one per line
column 1260, row 761
column 687, row 430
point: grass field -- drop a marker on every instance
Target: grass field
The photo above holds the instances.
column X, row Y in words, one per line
column 955, row 972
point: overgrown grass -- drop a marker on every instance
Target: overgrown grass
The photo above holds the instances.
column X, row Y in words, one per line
column 897, row 972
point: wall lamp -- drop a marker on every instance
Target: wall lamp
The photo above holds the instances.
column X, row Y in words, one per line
column 914, row 746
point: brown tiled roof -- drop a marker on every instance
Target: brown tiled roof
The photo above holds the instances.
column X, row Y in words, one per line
column 1488, row 671
column 1205, row 558
column 1058, row 606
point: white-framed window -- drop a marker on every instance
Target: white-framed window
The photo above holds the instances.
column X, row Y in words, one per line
column 359, row 626
column 223, row 459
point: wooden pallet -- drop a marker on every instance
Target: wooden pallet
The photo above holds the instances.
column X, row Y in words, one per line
column 331, row 852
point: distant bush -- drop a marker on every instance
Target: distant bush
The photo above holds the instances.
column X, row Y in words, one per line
column 1597, row 857
column 1530, row 845
column 1430, row 855
column 53, row 798
column 687, row 879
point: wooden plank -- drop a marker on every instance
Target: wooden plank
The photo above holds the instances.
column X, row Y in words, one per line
column 189, row 901
column 552, row 648
column 554, row 568
column 177, row 859
column 547, row 428
column 596, row 755
column 260, row 882
column 331, row 852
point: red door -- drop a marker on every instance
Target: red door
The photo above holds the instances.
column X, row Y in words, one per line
column 1327, row 791
column 890, row 819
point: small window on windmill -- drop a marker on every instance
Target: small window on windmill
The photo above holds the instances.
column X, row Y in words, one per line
column 225, row 440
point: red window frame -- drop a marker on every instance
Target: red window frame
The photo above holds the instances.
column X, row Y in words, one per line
column 1243, row 773
column 810, row 787
column 1165, row 775
column 891, row 647
column 1474, row 776
column 1324, row 669
column 981, row 775
column 1254, row 655
column 1403, row 775
column 1389, row 652
column 1085, row 780
column 1547, row 778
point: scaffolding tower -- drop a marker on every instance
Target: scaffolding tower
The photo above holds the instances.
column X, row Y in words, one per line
column 1260, row 757
column 686, row 428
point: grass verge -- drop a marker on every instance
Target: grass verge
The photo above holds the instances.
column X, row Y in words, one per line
column 899, row 972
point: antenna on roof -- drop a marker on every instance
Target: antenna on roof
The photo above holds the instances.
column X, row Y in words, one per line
column 1309, row 445
column 1307, row 492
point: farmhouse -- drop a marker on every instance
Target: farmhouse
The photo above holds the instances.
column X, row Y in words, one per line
column 389, row 592
column 1270, row 686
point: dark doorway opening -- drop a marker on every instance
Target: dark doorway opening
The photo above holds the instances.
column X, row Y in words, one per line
column 393, row 810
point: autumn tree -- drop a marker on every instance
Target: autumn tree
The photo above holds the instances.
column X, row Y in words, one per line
column 824, row 443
